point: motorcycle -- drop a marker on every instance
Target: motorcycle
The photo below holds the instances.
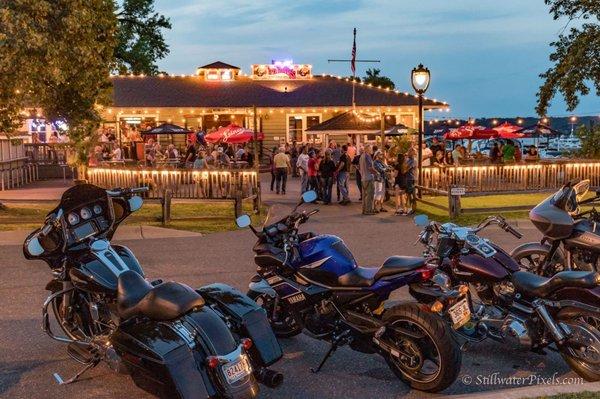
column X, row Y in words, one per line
column 488, row 296
column 312, row 282
column 174, row 341
column 571, row 237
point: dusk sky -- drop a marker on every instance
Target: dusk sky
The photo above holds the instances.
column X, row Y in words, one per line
column 485, row 56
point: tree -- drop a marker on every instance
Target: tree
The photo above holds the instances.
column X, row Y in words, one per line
column 140, row 39
column 56, row 56
column 576, row 55
column 590, row 141
column 373, row 77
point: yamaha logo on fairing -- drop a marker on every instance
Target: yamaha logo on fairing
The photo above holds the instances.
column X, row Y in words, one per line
column 296, row 298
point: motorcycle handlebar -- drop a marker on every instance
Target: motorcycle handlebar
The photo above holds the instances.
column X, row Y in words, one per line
column 120, row 192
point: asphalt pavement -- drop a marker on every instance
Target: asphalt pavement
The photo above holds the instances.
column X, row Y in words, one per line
column 28, row 358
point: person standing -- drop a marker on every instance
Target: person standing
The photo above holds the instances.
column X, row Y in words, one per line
column 400, row 185
column 343, row 173
column 380, row 181
column 272, row 164
column 190, row 154
column 282, row 168
column 367, row 173
column 356, row 163
column 495, row 153
column 302, row 166
column 336, row 154
column 327, row 170
column 411, row 165
column 312, row 166
column 508, row 152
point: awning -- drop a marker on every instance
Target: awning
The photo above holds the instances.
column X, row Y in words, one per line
column 167, row 128
column 539, row 129
column 233, row 134
column 399, row 130
column 470, row 132
column 508, row 131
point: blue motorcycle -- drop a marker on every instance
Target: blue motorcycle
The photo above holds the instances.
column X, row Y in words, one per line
column 312, row 282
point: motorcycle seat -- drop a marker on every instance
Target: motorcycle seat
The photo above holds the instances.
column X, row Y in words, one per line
column 532, row 285
column 367, row 276
column 165, row 301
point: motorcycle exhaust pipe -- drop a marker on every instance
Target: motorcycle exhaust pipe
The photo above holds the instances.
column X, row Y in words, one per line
column 269, row 378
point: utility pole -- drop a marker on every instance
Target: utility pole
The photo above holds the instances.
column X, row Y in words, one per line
column 256, row 161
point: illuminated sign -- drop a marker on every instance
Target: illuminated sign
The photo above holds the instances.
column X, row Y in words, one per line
column 281, row 70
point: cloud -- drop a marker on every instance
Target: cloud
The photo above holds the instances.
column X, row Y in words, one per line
column 485, row 56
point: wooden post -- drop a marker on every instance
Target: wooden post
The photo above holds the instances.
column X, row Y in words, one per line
column 166, row 206
column 237, row 203
column 453, row 204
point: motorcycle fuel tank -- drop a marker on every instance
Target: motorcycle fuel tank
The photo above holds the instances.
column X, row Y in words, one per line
column 495, row 268
column 586, row 234
column 326, row 253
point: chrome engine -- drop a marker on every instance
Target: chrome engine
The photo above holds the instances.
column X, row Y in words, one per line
column 507, row 328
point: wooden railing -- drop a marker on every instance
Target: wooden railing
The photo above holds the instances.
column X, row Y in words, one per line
column 507, row 178
column 16, row 173
column 218, row 184
column 43, row 153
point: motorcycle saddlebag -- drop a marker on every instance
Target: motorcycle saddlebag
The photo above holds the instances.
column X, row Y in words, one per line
column 249, row 318
column 166, row 358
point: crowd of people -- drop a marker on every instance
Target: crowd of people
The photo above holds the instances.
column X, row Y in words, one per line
column 322, row 169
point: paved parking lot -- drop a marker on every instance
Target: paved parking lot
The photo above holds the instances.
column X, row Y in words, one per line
column 28, row 358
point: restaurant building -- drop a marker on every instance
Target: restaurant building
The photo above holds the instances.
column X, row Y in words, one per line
column 288, row 99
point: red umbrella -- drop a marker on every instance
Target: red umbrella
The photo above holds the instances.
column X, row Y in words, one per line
column 232, row 134
column 471, row 132
column 508, row 131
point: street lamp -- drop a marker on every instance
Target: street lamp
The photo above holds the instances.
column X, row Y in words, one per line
column 420, row 78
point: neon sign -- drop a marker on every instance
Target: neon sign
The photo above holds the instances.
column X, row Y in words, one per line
column 278, row 70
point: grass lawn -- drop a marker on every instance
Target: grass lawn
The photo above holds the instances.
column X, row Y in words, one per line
column 580, row 395
column 200, row 217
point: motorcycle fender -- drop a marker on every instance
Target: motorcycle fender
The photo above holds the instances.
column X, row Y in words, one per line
column 587, row 296
column 160, row 360
column 535, row 247
column 249, row 318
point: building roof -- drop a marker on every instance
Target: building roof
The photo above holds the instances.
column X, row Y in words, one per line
column 193, row 91
column 350, row 122
column 218, row 65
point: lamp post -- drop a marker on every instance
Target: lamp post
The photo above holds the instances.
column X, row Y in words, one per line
column 420, row 78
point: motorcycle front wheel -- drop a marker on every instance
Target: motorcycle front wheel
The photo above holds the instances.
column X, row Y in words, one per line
column 435, row 358
column 285, row 326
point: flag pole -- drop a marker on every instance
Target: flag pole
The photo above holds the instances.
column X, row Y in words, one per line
column 353, row 65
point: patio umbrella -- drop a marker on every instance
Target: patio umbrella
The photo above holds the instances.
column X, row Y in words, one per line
column 539, row 129
column 508, row 131
column 399, row 130
column 471, row 132
column 167, row 128
column 232, row 134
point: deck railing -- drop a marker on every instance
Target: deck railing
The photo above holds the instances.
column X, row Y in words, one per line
column 194, row 184
column 16, row 173
column 507, row 178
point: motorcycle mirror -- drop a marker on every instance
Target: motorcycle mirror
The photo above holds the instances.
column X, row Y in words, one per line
column 135, row 203
column 309, row 196
column 421, row 220
column 582, row 188
column 243, row 221
column 34, row 247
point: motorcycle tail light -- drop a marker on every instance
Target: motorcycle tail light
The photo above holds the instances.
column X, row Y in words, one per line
column 212, row 362
column 246, row 343
column 427, row 273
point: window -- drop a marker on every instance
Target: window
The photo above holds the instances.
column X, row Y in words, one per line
column 297, row 124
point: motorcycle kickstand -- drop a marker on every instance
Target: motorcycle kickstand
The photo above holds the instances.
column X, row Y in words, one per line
column 327, row 356
column 87, row 367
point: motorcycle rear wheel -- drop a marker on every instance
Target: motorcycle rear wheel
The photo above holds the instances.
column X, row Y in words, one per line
column 438, row 349
column 586, row 363
column 531, row 260
column 286, row 328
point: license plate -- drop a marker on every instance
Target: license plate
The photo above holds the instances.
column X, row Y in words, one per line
column 235, row 371
column 460, row 313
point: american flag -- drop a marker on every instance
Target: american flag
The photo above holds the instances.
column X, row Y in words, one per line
column 353, row 61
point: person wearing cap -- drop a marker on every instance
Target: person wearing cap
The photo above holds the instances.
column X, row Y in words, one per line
column 282, row 168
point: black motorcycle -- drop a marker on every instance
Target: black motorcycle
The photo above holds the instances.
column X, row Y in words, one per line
column 312, row 282
column 174, row 341
column 571, row 237
column 482, row 293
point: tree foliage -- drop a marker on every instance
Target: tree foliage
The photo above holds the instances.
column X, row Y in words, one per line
column 140, row 39
column 373, row 77
column 55, row 57
column 576, row 55
column 590, row 141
